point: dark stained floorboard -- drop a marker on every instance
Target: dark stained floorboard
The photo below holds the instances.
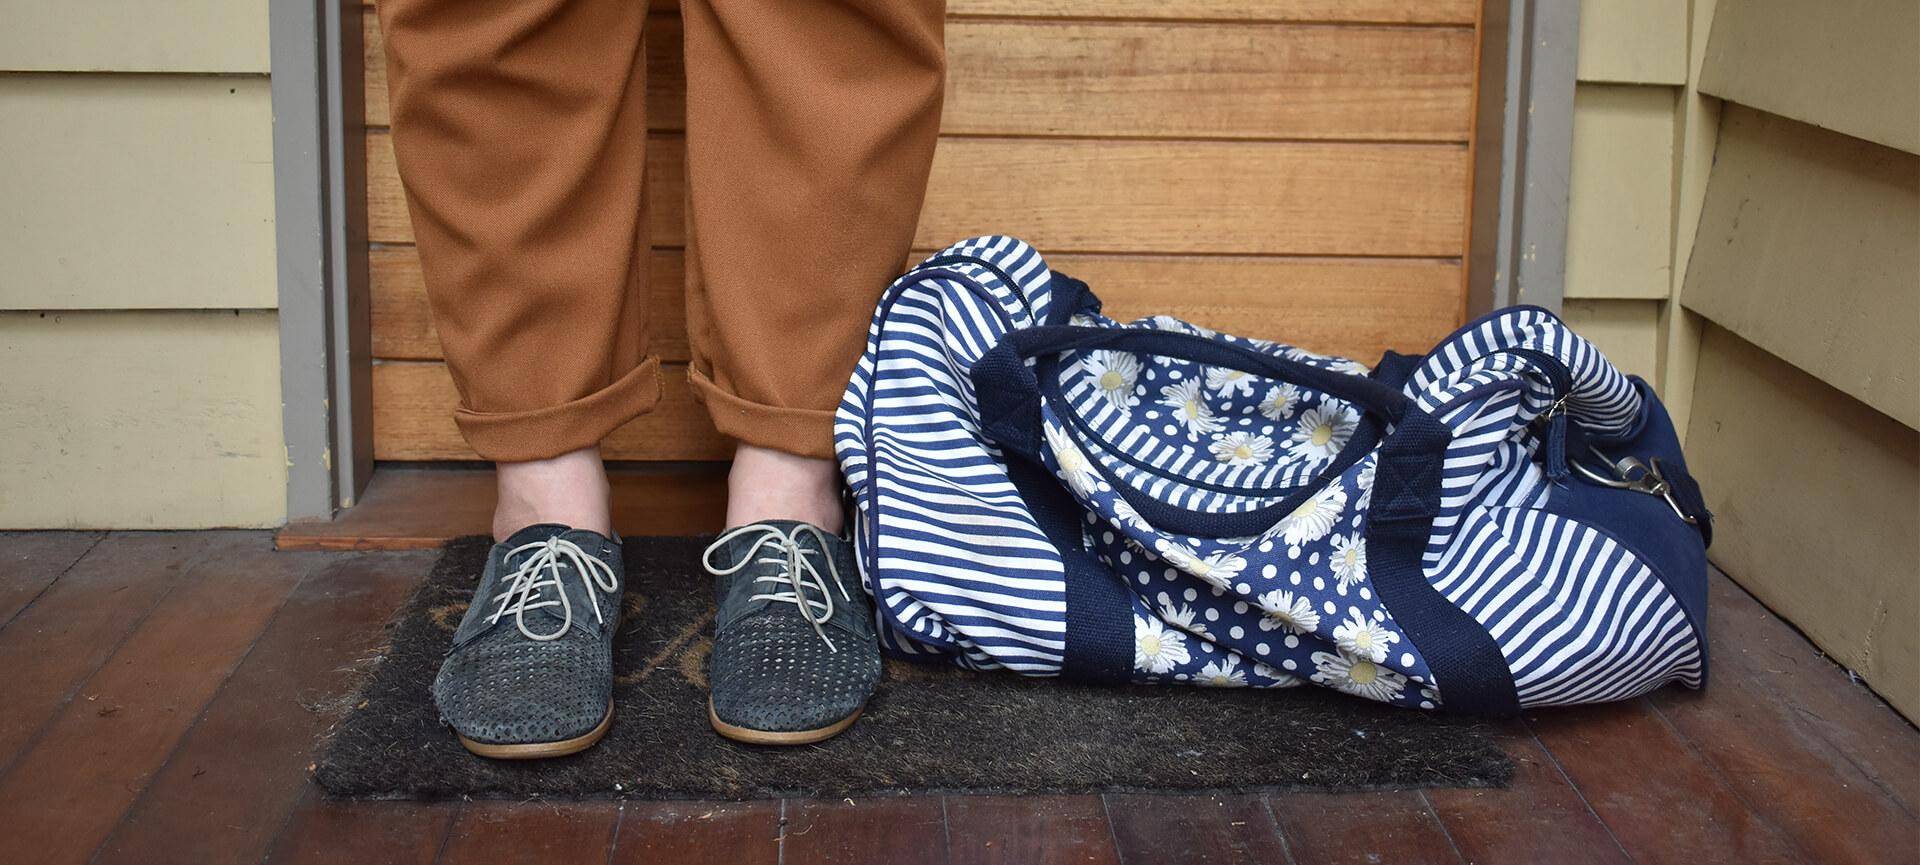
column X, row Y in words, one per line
column 908, row 831
column 31, row 561
column 67, row 792
column 734, row 833
column 1539, row 818
column 531, row 833
column 1029, row 830
column 1656, row 793
column 227, row 789
column 326, row 832
column 1194, row 830
column 1361, row 829
column 52, row 646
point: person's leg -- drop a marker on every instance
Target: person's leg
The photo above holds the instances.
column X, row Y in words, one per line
column 519, row 129
column 810, row 133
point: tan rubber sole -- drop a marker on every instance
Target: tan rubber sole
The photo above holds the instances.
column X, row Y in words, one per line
column 541, row 750
column 762, row 737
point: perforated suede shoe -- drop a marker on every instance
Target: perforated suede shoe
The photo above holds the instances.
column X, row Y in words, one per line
column 794, row 654
column 530, row 673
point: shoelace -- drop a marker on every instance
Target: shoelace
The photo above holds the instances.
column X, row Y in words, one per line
column 797, row 571
column 542, row 569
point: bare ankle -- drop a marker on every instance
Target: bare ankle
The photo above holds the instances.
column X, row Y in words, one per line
column 570, row 489
column 767, row 484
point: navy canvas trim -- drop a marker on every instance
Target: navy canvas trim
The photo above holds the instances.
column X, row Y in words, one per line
column 1099, row 618
column 1468, row 666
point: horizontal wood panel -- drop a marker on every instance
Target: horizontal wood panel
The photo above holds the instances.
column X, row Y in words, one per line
column 1352, row 307
column 1128, row 79
column 1383, row 11
column 1260, row 198
column 413, row 405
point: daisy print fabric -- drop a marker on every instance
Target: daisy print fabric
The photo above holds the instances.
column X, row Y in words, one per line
column 1289, row 605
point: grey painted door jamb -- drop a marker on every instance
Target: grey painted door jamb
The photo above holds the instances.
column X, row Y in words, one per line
column 319, row 192
column 1530, row 263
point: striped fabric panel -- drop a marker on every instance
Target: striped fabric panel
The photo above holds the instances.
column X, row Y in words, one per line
column 1579, row 619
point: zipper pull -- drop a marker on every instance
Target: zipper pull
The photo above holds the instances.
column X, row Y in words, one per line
column 1554, row 459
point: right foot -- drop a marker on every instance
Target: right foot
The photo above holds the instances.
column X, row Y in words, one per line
column 530, row 673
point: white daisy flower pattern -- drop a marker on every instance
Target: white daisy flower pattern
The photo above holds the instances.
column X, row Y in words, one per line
column 1349, row 560
column 1323, row 431
column 1357, row 676
column 1219, row 569
column 1284, row 609
column 1364, row 638
column 1242, row 448
column 1281, row 679
column 1315, row 517
column 1364, row 480
column 1075, row 468
column 1114, row 374
column 1177, row 555
column 1224, row 673
column 1190, row 407
column 1156, row 648
column 1185, row 618
column 1229, row 381
column 1279, row 403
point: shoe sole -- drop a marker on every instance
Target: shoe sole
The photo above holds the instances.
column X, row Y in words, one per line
column 542, row 750
column 765, row 737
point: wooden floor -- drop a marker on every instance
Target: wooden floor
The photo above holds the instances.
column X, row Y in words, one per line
column 163, row 691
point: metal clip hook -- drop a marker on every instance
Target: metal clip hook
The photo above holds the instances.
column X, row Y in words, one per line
column 1633, row 473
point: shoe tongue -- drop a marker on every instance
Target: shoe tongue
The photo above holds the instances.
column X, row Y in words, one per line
column 572, row 582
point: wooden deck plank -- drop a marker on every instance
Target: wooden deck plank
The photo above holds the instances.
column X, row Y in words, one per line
column 1775, row 756
column 1194, row 830
column 324, row 831
column 67, row 792
column 1361, row 828
column 64, row 637
column 1540, row 817
column 31, row 561
column 859, row 831
column 1748, row 640
column 421, row 508
column 227, row 789
column 531, row 833
column 732, row 833
column 1654, row 791
column 1029, row 830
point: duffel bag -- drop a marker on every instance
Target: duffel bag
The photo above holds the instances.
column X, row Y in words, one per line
column 1506, row 521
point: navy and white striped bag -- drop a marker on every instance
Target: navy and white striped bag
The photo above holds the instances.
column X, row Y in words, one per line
column 1505, row 522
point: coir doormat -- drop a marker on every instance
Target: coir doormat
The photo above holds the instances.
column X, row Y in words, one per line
column 926, row 730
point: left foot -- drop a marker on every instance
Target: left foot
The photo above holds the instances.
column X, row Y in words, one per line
column 794, row 652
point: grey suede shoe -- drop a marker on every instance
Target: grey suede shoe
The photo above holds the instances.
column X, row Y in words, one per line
column 530, row 673
column 794, row 654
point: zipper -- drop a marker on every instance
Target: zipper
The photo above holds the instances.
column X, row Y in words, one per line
column 1554, row 456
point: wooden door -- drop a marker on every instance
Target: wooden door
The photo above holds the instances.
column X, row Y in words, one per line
column 1300, row 171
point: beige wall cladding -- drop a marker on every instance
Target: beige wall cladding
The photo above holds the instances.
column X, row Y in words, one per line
column 133, row 35
column 153, row 420
column 1620, row 195
column 1817, row 498
column 1852, row 66
column 1809, row 246
column 1626, row 331
column 1633, row 41
column 136, row 192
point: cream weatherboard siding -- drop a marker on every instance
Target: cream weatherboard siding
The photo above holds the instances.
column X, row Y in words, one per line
column 139, row 346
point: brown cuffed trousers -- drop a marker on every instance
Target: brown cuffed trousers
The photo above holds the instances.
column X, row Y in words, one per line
column 519, row 127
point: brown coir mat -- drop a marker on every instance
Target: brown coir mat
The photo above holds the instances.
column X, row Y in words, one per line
column 926, row 730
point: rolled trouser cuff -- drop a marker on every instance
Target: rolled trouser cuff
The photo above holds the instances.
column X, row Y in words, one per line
column 543, row 433
column 799, row 431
